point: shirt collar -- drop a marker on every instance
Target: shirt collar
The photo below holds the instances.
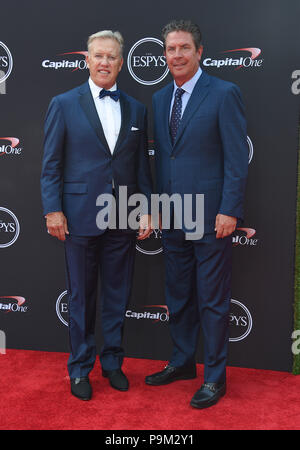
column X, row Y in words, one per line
column 95, row 90
column 189, row 85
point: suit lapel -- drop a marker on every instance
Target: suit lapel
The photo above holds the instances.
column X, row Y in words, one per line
column 87, row 103
column 199, row 93
column 125, row 120
column 164, row 109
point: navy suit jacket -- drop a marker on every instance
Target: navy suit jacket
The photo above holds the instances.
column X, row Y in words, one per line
column 210, row 153
column 78, row 164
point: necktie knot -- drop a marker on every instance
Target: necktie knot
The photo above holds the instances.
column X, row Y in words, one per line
column 115, row 95
column 179, row 92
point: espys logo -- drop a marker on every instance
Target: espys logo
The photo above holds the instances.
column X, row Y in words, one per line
column 6, row 62
column 250, row 147
column 74, row 62
column 242, row 61
column 62, row 308
column 12, row 304
column 9, row 227
column 240, row 321
column 10, row 149
column 244, row 237
column 152, row 245
column 146, row 62
column 159, row 316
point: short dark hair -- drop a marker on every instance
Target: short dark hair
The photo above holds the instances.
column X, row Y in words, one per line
column 183, row 25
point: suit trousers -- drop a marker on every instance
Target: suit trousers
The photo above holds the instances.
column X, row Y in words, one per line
column 198, row 292
column 112, row 254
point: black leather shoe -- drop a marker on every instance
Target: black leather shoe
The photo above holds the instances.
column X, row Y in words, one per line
column 81, row 388
column 170, row 374
column 117, row 379
column 209, row 394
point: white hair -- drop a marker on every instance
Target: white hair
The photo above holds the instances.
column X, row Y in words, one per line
column 107, row 34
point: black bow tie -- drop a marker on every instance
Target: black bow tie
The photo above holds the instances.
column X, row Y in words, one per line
column 115, row 95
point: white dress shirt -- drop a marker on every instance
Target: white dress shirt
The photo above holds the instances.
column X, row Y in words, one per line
column 188, row 88
column 109, row 112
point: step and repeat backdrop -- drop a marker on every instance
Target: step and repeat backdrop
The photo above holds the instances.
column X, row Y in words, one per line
column 42, row 53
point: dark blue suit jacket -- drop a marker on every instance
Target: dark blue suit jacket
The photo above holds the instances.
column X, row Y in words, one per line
column 210, row 154
column 78, row 164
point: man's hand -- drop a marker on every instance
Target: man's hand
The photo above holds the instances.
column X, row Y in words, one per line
column 225, row 225
column 57, row 226
column 145, row 227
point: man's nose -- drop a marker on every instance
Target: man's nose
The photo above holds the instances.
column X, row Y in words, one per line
column 105, row 60
column 178, row 53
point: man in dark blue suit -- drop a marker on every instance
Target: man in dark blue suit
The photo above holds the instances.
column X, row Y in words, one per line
column 95, row 142
column 200, row 148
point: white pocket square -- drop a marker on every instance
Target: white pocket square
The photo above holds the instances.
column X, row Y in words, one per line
column 134, row 129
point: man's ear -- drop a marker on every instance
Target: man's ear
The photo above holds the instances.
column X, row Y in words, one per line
column 121, row 64
column 199, row 52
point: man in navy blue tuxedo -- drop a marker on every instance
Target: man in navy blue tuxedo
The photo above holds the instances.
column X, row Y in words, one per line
column 200, row 148
column 95, row 142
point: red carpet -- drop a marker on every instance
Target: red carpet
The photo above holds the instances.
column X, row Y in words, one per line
column 35, row 395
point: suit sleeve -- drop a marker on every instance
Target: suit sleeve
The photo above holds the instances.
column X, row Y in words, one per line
column 232, row 126
column 52, row 167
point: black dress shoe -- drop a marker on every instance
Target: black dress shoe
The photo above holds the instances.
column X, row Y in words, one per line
column 81, row 388
column 209, row 394
column 117, row 379
column 170, row 374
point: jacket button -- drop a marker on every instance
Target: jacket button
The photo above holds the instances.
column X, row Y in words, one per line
column 172, row 157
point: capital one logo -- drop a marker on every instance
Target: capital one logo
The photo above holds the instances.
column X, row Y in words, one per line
column 244, row 237
column 240, row 321
column 162, row 315
column 6, row 62
column 10, row 146
column 12, row 304
column 146, row 62
column 76, row 61
column 238, row 59
column 9, row 227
